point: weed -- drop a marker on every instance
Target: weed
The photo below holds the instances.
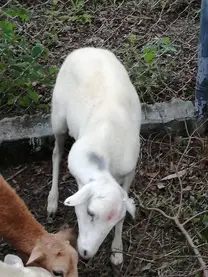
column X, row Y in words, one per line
column 79, row 14
column 21, row 70
column 83, row 18
column 149, row 66
column 157, row 68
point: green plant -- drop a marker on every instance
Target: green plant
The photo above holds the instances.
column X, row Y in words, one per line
column 79, row 14
column 157, row 48
column 20, row 13
column 150, row 66
column 23, row 76
column 77, row 5
column 83, row 18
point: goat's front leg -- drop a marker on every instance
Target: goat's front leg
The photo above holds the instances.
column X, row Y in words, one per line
column 117, row 244
column 56, row 159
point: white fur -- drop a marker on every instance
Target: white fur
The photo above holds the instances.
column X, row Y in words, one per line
column 95, row 100
column 13, row 267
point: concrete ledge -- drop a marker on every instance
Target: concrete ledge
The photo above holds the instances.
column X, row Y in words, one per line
column 30, row 137
column 167, row 117
column 25, row 139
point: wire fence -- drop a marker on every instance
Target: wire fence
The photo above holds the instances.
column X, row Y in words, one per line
column 156, row 40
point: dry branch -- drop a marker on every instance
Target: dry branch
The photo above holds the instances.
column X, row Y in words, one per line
column 185, row 233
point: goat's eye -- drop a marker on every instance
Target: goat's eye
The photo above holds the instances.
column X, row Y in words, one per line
column 58, row 273
column 91, row 214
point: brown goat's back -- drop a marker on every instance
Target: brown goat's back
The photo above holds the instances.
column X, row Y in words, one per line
column 17, row 224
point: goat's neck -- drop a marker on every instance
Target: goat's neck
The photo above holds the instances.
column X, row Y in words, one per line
column 88, row 162
column 23, row 236
column 92, row 175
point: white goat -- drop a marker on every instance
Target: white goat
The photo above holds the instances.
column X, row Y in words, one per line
column 14, row 267
column 95, row 100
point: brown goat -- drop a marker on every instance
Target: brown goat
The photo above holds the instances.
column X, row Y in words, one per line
column 18, row 226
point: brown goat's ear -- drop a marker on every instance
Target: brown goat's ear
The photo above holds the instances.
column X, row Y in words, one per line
column 35, row 256
column 67, row 234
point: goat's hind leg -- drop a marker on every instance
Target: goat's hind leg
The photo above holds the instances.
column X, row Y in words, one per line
column 117, row 244
column 56, row 159
column 60, row 129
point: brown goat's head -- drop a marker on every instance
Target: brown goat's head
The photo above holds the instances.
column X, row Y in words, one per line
column 55, row 253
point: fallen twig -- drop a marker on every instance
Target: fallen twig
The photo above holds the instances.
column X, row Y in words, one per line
column 185, row 233
column 175, row 175
column 17, row 173
column 189, row 219
column 193, row 246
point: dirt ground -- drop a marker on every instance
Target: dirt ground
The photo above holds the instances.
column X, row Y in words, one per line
column 153, row 244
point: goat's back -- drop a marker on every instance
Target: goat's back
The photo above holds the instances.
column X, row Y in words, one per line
column 93, row 85
column 7, row 270
column 17, row 224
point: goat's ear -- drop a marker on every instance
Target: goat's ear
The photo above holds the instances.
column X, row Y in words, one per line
column 67, row 234
column 80, row 196
column 130, row 207
column 13, row 260
column 35, row 256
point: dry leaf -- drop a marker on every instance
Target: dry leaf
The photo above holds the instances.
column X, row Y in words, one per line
column 188, row 188
column 152, row 174
column 160, row 185
column 146, row 267
column 172, row 167
column 175, row 175
column 141, row 172
column 66, row 176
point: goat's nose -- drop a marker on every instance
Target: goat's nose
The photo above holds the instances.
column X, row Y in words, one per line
column 85, row 254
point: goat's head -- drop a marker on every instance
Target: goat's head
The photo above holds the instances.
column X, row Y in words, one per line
column 54, row 253
column 99, row 206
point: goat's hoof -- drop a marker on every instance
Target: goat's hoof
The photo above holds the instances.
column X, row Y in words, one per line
column 50, row 219
column 50, row 215
column 116, row 258
column 51, row 212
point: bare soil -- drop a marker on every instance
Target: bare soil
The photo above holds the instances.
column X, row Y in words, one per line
column 153, row 245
